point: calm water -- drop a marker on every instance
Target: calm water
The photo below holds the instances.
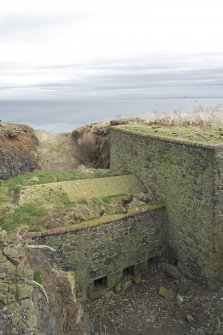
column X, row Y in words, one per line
column 65, row 115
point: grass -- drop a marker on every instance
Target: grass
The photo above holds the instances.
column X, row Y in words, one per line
column 28, row 215
column 99, row 187
column 60, row 204
column 8, row 187
column 5, row 126
column 211, row 118
column 38, row 276
column 193, row 134
column 50, row 202
column 111, row 198
column 4, row 193
column 50, row 177
column 61, row 192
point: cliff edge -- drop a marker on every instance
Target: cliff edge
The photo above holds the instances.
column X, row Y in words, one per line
column 18, row 150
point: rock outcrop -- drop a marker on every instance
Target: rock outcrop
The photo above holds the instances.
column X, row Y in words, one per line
column 34, row 297
column 93, row 144
column 18, row 147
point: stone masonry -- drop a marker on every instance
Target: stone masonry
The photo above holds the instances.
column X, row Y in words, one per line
column 100, row 256
column 188, row 178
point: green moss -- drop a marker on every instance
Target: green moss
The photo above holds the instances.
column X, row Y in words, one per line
column 38, row 276
column 192, row 134
column 7, row 188
column 115, row 217
column 118, row 288
column 62, row 192
column 189, row 318
column 185, row 176
column 166, row 292
column 23, row 291
column 28, row 214
column 136, row 279
column 111, row 198
column 4, row 193
column 51, row 177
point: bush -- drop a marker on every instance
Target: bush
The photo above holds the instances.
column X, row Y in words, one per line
column 87, row 149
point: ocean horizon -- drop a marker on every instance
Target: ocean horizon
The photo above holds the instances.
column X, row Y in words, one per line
column 64, row 115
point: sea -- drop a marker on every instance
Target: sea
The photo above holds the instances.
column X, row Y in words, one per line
column 65, row 115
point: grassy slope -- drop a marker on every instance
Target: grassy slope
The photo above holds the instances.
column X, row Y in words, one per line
column 30, row 214
column 56, row 152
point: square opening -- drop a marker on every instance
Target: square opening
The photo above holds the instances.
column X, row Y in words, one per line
column 129, row 271
column 101, row 282
column 154, row 261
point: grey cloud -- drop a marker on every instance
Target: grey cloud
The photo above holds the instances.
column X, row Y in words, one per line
column 143, row 79
column 16, row 27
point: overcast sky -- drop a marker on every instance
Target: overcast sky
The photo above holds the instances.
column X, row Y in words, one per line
column 75, row 48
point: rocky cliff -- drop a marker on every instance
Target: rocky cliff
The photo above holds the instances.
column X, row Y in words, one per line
column 93, row 142
column 18, row 146
column 35, row 298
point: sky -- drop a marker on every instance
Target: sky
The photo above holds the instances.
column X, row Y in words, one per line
column 142, row 48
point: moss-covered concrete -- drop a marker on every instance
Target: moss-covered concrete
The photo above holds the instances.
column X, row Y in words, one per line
column 178, row 133
column 78, row 189
column 45, row 204
column 98, row 252
column 188, row 177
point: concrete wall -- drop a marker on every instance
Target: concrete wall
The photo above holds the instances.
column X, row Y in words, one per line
column 188, row 178
column 98, row 255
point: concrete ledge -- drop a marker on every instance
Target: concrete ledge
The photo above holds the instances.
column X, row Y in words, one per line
column 101, row 253
column 206, row 145
column 96, row 222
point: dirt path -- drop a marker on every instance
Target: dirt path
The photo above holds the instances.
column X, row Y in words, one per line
column 140, row 310
column 56, row 152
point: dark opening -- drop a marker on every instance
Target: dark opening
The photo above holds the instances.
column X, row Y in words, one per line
column 160, row 263
column 172, row 260
column 129, row 271
column 154, row 261
column 101, row 282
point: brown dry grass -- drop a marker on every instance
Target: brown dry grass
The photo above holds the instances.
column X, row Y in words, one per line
column 204, row 117
column 56, row 152
column 87, row 149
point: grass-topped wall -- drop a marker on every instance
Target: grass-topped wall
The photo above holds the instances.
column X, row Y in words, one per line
column 103, row 251
column 186, row 172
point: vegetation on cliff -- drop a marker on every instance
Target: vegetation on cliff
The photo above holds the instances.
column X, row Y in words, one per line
column 41, row 201
column 93, row 144
column 18, row 150
column 35, row 298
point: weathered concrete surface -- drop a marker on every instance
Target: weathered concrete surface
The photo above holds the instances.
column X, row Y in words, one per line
column 188, row 177
column 80, row 189
column 98, row 254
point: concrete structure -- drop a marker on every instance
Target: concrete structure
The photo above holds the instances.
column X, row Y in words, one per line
column 102, row 252
column 186, row 225
column 187, row 176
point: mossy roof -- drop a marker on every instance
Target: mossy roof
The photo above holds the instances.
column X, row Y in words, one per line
column 177, row 133
column 139, row 210
column 80, row 189
column 46, row 199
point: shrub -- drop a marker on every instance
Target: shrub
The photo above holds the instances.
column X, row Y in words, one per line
column 87, row 149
